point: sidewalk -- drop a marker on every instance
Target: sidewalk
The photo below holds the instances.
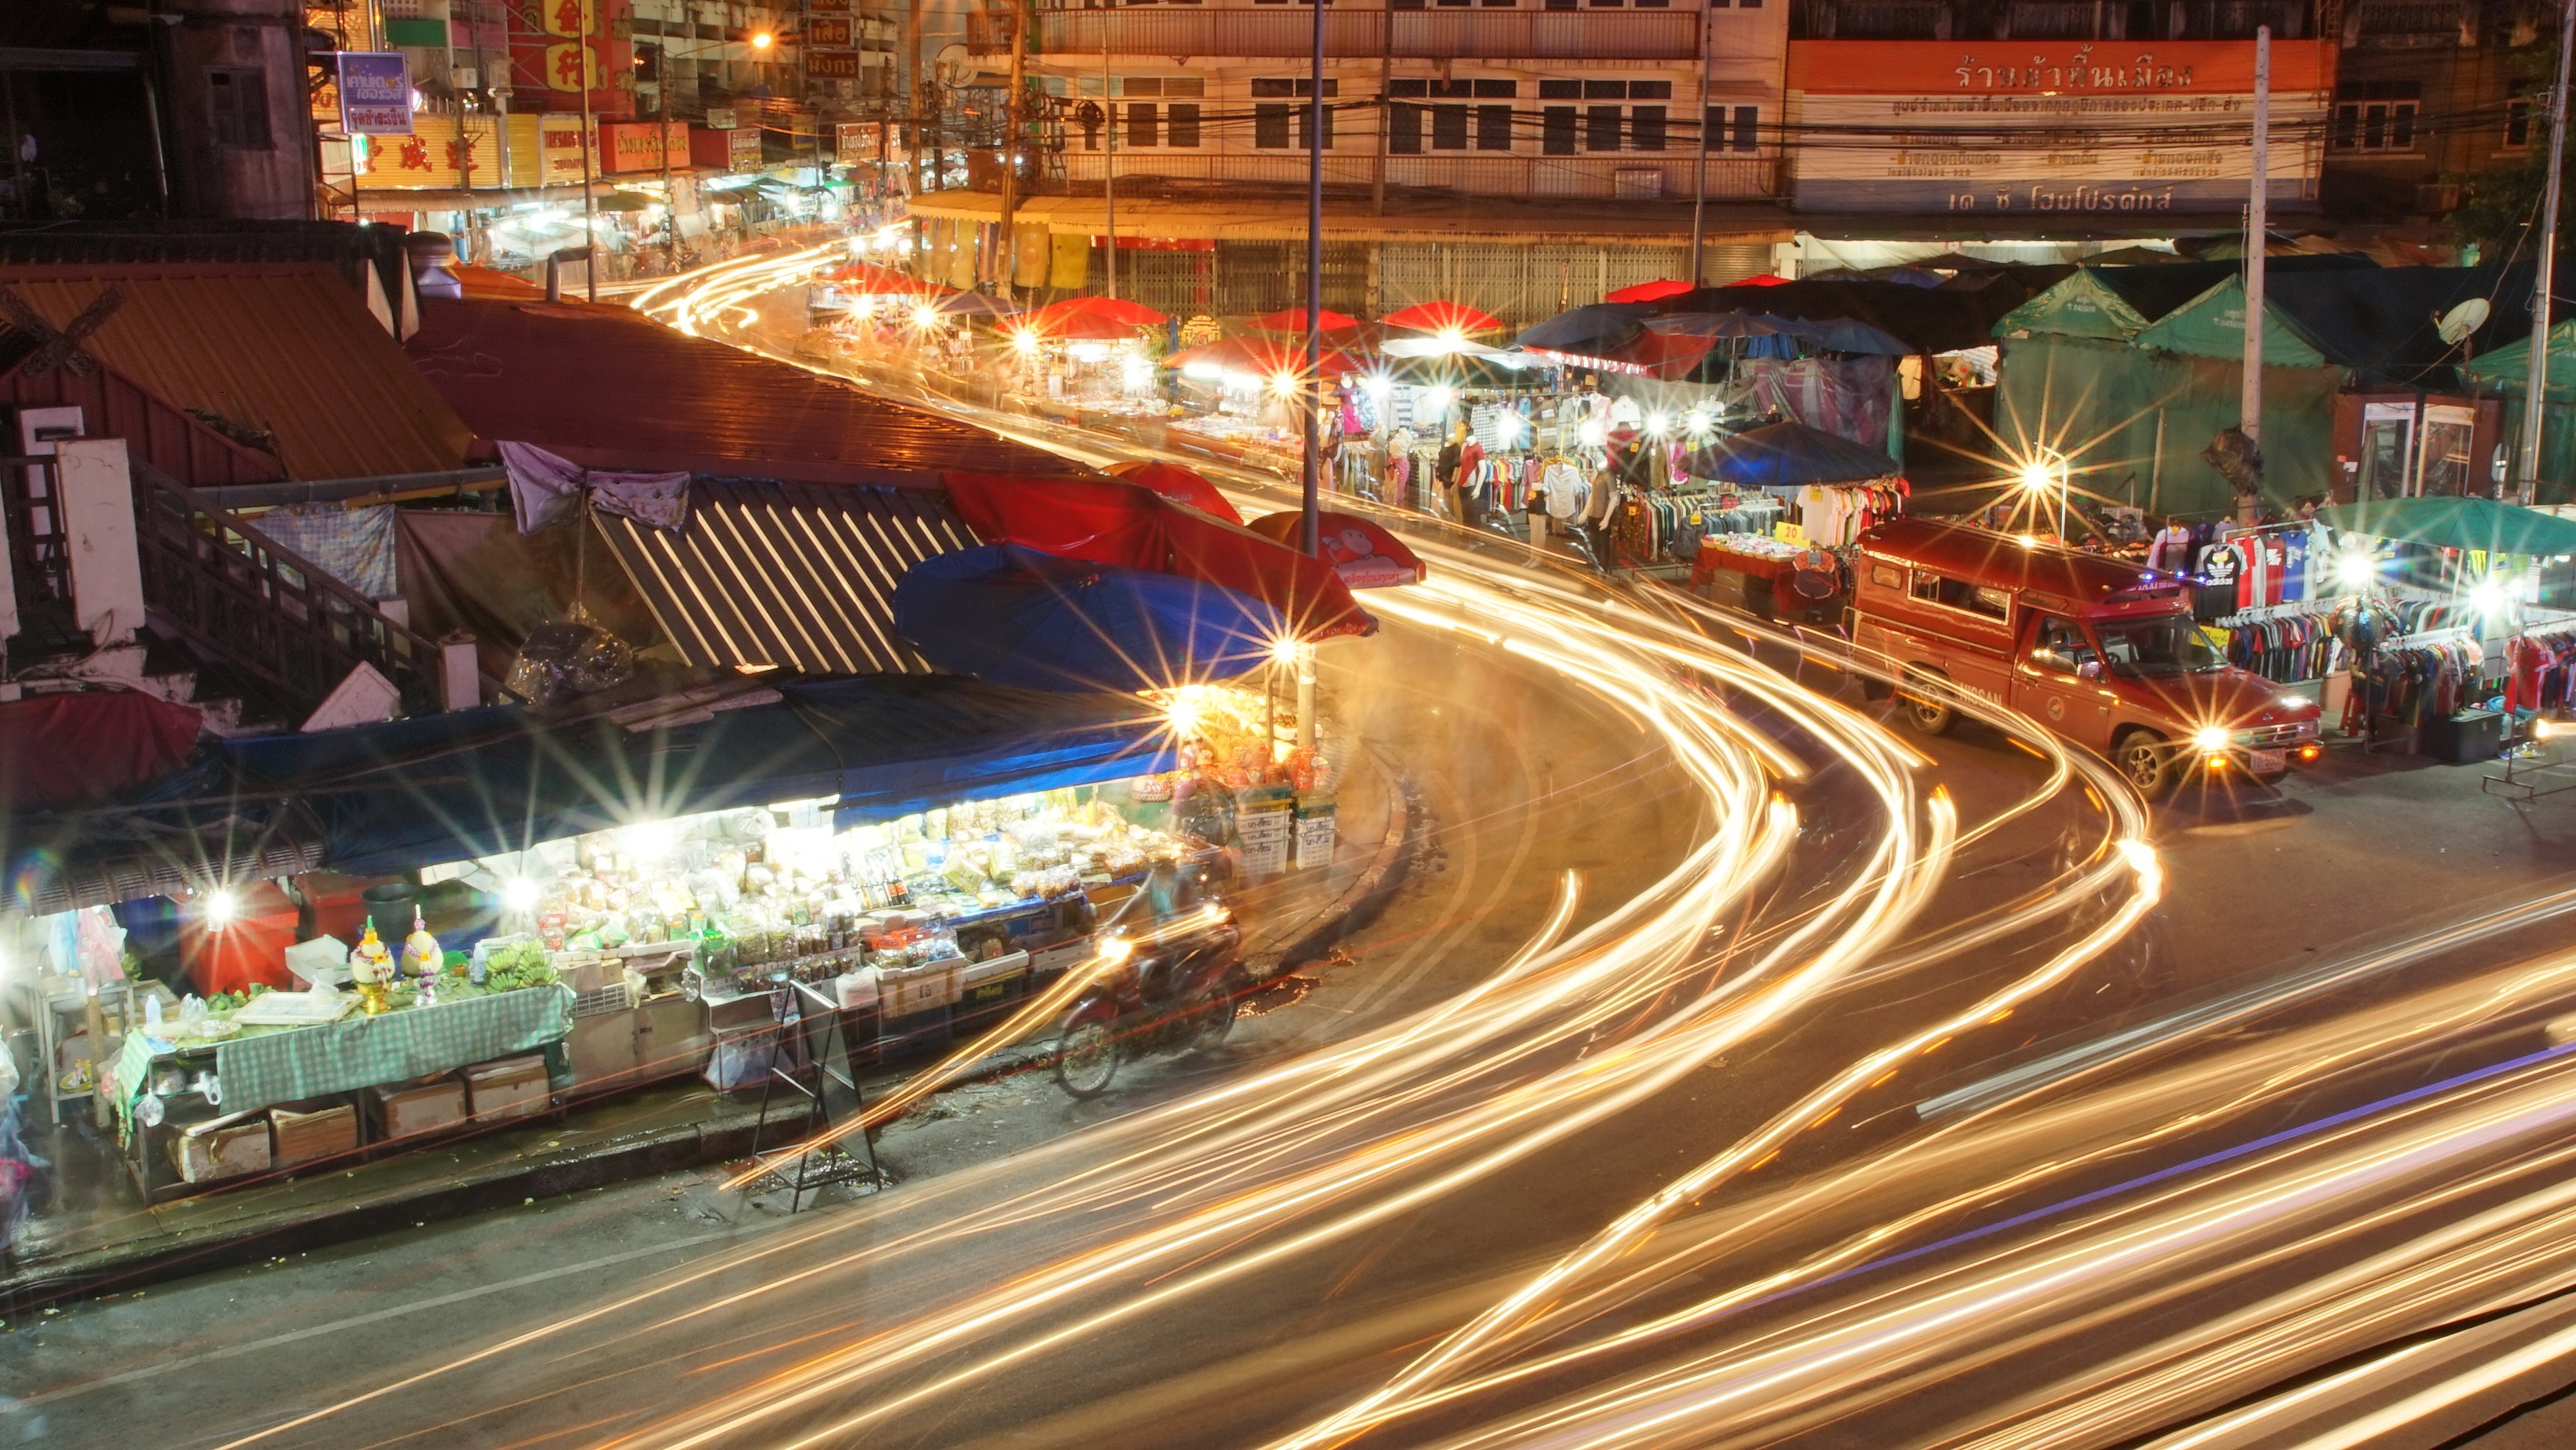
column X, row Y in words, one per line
column 92, row 1232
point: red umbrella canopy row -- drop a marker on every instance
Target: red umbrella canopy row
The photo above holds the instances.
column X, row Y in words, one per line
column 1265, row 357
column 1111, row 521
column 1442, row 317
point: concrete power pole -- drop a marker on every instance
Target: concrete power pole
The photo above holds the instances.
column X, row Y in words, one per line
column 2250, row 402
column 1014, row 115
column 2535, row 397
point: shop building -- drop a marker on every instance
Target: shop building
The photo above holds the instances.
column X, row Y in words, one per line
column 1468, row 155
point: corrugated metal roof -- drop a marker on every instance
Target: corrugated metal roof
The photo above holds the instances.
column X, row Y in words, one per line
column 610, row 388
column 789, row 575
column 286, row 350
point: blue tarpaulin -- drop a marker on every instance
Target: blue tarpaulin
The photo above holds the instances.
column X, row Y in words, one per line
column 483, row 782
column 1789, row 455
column 1015, row 616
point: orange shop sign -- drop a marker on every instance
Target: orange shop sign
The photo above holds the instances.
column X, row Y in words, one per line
column 2049, row 68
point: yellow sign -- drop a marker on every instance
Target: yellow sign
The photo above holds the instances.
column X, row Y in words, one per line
column 572, row 66
column 434, row 156
column 1788, row 533
column 568, row 17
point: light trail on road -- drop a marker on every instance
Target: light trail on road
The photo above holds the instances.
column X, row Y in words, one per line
column 1704, row 1307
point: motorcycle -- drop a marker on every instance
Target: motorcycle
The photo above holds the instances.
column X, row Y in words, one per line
column 1174, row 989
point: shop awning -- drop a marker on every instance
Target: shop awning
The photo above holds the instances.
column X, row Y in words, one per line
column 787, row 576
column 1110, row 522
column 2456, row 523
column 490, row 781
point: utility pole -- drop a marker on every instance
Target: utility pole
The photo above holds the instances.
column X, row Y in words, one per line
column 1109, row 168
column 1011, row 118
column 1699, row 166
column 2250, row 400
column 663, row 73
column 2535, row 397
column 589, row 201
column 1309, row 533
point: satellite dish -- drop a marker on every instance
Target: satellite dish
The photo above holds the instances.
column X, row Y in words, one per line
column 953, row 66
column 2460, row 321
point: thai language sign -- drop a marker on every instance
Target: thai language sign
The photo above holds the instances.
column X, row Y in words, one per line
column 375, row 93
column 2089, row 127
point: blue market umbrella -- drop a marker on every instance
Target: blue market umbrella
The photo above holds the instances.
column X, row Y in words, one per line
column 1016, row 616
column 1594, row 330
column 1788, row 455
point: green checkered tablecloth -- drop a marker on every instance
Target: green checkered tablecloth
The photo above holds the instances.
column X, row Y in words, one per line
column 357, row 1052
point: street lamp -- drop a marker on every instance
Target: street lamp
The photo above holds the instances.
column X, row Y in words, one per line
column 2042, row 472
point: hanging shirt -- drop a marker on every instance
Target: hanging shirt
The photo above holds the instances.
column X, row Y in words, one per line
column 1566, row 491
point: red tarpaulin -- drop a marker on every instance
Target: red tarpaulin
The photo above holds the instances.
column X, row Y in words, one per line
column 1293, row 319
column 71, row 749
column 1650, row 291
column 1112, row 309
column 1359, row 549
column 1181, row 485
column 1076, row 327
column 1442, row 317
column 1767, row 280
column 1112, row 522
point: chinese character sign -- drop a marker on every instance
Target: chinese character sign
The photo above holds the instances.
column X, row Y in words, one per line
column 572, row 53
column 375, row 93
column 568, row 18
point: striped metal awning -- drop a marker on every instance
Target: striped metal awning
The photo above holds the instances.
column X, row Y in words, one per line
column 796, row 577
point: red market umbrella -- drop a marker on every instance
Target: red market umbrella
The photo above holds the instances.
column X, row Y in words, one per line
column 1360, row 550
column 1079, row 327
column 1293, row 319
column 1181, row 485
column 1114, row 522
column 1767, row 280
column 1113, row 309
column 1442, row 317
column 1264, row 357
column 1650, row 291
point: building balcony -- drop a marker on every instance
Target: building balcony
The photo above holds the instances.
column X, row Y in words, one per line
column 2405, row 23
column 1470, row 35
column 1642, row 177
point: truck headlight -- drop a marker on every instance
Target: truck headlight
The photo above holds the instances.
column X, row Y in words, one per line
column 2212, row 740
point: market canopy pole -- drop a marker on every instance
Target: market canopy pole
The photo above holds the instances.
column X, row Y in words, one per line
column 2535, row 395
column 589, row 191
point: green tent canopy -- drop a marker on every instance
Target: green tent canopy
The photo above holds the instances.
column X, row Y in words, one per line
column 2510, row 365
column 2213, row 326
column 2456, row 523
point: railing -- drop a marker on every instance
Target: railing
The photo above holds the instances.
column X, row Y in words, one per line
column 1348, row 34
column 2431, row 19
column 265, row 609
column 1354, row 162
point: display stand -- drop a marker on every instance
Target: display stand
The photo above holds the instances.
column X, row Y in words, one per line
column 820, row 1159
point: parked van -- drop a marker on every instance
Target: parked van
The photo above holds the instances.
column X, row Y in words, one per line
column 2101, row 652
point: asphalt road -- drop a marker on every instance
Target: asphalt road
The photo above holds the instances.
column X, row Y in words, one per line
column 1739, row 1076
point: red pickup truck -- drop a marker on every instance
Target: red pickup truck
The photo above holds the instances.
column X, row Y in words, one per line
column 2101, row 652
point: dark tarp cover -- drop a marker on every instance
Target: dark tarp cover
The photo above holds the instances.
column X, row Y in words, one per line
column 1594, row 329
column 2456, row 523
column 1928, row 319
column 1015, row 616
column 2377, row 324
column 480, row 782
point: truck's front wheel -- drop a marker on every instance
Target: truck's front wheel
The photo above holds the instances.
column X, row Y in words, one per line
column 2148, row 762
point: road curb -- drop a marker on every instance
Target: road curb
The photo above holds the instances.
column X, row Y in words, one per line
column 1406, row 827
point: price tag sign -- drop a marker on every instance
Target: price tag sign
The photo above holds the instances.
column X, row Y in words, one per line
column 1789, row 533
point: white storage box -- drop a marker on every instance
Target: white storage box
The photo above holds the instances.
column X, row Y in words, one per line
column 904, row 991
